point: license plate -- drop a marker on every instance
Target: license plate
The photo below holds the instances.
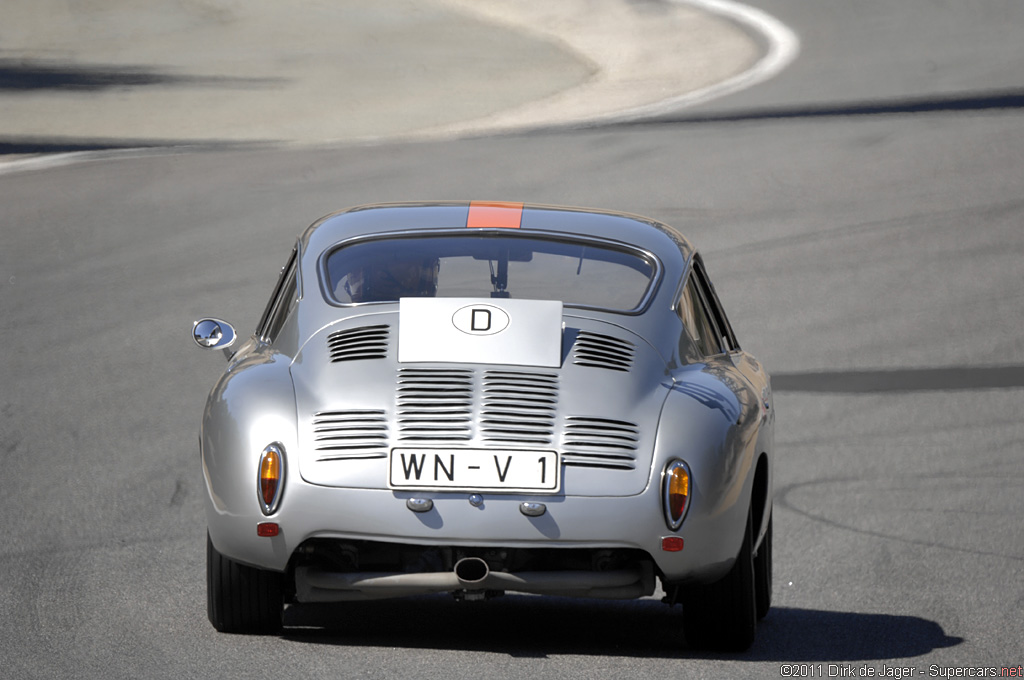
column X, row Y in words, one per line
column 493, row 470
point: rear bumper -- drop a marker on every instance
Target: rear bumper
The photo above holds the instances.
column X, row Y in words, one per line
column 711, row 534
column 313, row 585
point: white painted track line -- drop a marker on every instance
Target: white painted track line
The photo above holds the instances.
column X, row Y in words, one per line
column 783, row 48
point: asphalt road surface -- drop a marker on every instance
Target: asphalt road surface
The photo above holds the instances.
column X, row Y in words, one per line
column 862, row 215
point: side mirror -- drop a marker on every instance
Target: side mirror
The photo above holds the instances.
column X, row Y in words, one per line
column 214, row 334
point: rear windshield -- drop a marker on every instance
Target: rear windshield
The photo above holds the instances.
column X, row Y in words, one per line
column 575, row 272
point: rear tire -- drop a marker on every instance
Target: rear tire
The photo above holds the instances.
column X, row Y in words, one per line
column 722, row 616
column 242, row 599
column 763, row 573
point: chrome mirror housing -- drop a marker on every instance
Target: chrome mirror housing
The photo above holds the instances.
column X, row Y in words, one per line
column 214, row 334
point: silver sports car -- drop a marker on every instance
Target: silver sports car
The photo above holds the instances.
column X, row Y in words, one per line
column 474, row 398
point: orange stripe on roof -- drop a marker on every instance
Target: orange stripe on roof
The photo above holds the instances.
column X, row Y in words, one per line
column 494, row 214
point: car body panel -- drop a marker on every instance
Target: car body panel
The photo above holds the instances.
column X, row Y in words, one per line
column 617, row 396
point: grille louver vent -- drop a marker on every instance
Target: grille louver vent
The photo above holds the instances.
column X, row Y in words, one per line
column 602, row 351
column 368, row 342
column 601, row 443
column 506, row 408
column 519, row 408
column 435, row 405
column 348, row 435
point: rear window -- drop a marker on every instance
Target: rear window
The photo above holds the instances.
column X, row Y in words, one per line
column 575, row 272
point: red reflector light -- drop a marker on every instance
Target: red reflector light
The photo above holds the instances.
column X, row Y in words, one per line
column 268, row 529
column 672, row 543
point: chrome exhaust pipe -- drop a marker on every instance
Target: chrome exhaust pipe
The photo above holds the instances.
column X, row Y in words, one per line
column 471, row 571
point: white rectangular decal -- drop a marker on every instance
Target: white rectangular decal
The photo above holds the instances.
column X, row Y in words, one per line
column 495, row 470
column 480, row 331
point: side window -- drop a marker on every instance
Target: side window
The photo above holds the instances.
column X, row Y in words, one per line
column 692, row 311
column 285, row 307
column 281, row 302
column 714, row 308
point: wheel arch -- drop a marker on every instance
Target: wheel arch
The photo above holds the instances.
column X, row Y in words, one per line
column 761, row 497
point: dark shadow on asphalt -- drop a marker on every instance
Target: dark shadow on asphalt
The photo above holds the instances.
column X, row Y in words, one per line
column 901, row 380
column 536, row 627
column 21, row 146
column 18, row 75
column 74, row 145
column 982, row 101
column 27, row 76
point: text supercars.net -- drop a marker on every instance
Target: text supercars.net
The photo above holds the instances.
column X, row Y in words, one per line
column 845, row 670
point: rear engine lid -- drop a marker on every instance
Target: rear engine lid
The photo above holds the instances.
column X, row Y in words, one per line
column 597, row 408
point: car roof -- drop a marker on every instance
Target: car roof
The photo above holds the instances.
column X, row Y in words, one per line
column 403, row 218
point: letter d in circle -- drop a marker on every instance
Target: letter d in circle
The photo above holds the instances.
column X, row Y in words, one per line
column 481, row 320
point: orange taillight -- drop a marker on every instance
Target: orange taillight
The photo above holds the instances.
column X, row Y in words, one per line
column 271, row 477
column 677, row 492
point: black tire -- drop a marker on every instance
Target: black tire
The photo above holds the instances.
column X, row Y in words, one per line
column 722, row 616
column 763, row 573
column 242, row 599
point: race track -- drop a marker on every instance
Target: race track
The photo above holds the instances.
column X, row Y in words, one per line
column 862, row 216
